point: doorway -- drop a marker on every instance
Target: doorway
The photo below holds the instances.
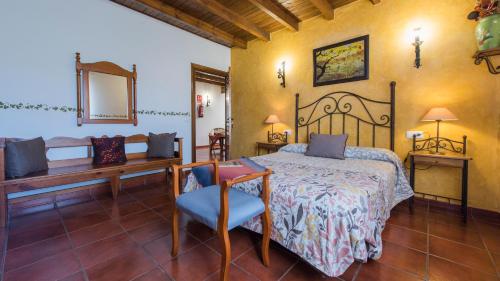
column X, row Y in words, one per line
column 210, row 113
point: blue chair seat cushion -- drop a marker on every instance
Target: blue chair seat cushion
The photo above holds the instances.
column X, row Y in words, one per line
column 204, row 206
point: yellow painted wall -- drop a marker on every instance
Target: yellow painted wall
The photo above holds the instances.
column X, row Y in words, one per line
column 448, row 78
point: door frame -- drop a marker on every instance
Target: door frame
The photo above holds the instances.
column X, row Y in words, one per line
column 211, row 71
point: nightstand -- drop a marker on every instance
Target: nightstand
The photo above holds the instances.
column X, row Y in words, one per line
column 454, row 157
column 270, row 146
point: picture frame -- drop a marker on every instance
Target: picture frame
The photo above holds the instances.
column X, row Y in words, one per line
column 342, row 62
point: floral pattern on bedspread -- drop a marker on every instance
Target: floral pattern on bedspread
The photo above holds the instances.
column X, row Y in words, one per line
column 329, row 212
column 403, row 189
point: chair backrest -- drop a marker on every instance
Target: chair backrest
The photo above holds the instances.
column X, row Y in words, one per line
column 69, row 142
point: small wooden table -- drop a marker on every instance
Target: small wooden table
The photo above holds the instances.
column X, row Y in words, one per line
column 213, row 146
column 455, row 160
column 270, row 146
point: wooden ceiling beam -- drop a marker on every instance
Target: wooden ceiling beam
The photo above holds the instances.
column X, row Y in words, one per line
column 195, row 23
column 324, row 7
column 276, row 12
column 375, row 1
column 227, row 14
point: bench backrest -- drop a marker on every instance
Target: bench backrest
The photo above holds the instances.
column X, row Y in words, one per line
column 69, row 142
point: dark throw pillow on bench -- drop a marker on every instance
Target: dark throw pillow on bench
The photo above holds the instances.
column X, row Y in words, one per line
column 25, row 157
column 161, row 145
column 328, row 146
column 109, row 150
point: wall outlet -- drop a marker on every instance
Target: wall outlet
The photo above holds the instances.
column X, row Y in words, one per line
column 419, row 134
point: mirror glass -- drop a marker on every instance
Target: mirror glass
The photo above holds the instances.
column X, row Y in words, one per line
column 108, row 96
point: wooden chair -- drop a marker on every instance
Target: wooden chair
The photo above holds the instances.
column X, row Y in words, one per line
column 216, row 140
column 222, row 209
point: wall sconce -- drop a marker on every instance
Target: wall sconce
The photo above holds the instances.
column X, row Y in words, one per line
column 209, row 102
column 417, row 44
column 281, row 74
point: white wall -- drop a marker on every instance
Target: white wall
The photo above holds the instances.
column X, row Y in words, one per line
column 214, row 116
column 38, row 41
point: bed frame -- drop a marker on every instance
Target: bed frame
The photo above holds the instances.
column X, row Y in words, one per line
column 347, row 105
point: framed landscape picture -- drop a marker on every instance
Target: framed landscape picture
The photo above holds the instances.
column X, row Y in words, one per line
column 341, row 62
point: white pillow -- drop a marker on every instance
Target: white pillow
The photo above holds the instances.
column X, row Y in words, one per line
column 295, row 148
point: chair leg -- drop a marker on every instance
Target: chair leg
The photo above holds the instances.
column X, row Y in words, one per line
column 266, row 237
column 226, row 255
column 175, row 231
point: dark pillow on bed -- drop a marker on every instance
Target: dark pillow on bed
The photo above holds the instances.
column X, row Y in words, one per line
column 24, row 157
column 161, row 145
column 328, row 146
column 109, row 150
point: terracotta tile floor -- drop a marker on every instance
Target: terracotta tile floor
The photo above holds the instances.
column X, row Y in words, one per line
column 130, row 240
column 203, row 154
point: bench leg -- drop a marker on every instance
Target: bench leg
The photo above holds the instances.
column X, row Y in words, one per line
column 115, row 186
column 167, row 175
column 3, row 209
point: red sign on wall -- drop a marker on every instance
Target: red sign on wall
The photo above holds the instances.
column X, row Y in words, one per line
column 199, row 99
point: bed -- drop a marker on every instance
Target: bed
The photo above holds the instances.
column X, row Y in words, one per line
column 332, row 212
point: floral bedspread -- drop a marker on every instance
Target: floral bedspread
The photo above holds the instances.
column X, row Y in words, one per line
column 329, row 212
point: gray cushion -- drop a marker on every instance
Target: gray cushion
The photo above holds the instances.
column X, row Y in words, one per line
column 328, row 146
column 161, row 145
column 24, row 157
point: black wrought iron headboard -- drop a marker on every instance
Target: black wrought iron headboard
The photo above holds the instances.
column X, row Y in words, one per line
column 340, row 103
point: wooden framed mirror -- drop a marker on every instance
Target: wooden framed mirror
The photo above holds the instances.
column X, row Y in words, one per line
column 106, row 93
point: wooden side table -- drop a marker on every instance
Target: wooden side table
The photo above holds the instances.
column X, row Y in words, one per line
column 455, row 160
column 270, row 146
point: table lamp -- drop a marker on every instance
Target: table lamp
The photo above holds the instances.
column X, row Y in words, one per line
column 272, row 119
column 439, row 114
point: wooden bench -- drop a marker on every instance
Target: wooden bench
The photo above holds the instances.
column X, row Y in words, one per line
column 76, row 170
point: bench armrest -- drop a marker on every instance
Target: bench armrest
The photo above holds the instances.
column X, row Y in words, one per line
column 2, row 161
column 179, row 141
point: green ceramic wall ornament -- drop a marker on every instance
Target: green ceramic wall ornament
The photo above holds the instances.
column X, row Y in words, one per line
column 488, row 32
column 487, row 13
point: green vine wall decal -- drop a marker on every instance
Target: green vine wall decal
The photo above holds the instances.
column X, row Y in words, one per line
column 64, row 108
column 162, row 113
column 28, row 106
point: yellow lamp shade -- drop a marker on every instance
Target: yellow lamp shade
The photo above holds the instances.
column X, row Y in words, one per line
column 439, row 114
column 272, row 119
